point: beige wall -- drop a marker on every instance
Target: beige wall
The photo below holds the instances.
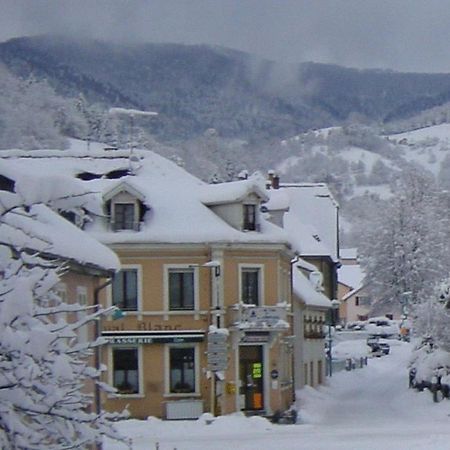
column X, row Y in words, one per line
column 154, row 317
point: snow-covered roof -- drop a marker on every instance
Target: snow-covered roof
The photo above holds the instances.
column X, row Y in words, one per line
column 351, row 275
column 123, row 186
column 176, row 199
column 348, row 253
column 42, row 230
column 232, row 192
column 351, row 293
column 279, row 201
column 314, row 205
column 305, row 291
column 310, row 222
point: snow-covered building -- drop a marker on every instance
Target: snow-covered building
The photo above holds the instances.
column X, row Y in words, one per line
column 309, row 214
column 354, row 300
column 310, row 309
column 34, row 228
column 205, row 282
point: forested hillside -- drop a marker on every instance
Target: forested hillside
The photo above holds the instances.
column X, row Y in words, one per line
column 195, row 88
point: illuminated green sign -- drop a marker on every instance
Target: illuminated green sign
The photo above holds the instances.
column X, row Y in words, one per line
column 257, row 370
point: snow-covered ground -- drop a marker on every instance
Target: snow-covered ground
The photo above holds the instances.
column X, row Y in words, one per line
column 370, row 408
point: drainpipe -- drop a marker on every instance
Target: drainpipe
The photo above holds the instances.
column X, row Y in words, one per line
column 97, row 331
column 294, row 322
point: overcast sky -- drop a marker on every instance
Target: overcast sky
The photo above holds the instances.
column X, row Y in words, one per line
column 406, row 35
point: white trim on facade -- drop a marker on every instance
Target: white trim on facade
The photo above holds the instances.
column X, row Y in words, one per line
column 139, row 306
column 261, row 286
column 167, row 310
column 167, row 392
column 110, row 371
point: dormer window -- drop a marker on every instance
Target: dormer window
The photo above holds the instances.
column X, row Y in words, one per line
column 125, row 207
column 250, row 217
column 124, row 216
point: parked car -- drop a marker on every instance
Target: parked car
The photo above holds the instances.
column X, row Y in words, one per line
column 377, row 346
column 385, row 347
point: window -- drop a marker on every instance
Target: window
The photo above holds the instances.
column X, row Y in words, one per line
column 250, row 217
column 82, row 299
column 181, row 289
column 250, row 286
column 82, row 296
column 126, row 370
column 125, row 290
column 182, row 370
column 124, row 216
column 61, row 291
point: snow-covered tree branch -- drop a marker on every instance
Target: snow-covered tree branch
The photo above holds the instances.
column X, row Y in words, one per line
column 46, row 376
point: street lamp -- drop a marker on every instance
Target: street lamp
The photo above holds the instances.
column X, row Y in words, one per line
column 331, row 322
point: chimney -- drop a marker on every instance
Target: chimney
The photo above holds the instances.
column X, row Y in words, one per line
column 273, row 180
column 243, row 174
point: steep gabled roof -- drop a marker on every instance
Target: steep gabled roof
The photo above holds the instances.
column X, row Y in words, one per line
column 303, row 235
column 42, row 230
column 313, row 205
column 351, row 276
column 123, row 186
column 233, row 192
column 177, row 199
column 305, row 291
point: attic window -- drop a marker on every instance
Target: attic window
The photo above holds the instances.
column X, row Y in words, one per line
column 249, row 217
column 124, row 216
column 87, row 176
column 6, row 184
column 119, row 173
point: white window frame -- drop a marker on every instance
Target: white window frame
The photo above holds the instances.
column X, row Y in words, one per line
column 61, row 290
column 181, row 267
column 82, row 295
column 167, row 348
column 260, row 268
column 82, row 299
column 111, row 348
column 136, row 212
column 139, row 305
column 244, row 216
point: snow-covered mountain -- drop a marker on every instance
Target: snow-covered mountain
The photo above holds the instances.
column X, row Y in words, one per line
column 195, row 88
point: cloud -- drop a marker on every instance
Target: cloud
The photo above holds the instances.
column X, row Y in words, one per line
column 409, row 35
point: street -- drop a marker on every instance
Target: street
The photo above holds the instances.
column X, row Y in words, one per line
column 369, row 408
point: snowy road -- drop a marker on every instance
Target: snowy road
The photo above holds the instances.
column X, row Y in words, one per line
column 371, row 408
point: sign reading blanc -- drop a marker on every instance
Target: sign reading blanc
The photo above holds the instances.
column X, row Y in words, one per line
column 217, row 352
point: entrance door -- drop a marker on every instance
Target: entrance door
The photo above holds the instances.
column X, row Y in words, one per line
column 251, row 372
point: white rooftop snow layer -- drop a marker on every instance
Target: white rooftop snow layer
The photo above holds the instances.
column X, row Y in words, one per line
column 279, row 200
column 174, row 197
column 313, row 204
column 45, row 231
column 348, row 253
column 235, row 191
column 351, row 275
column 306, row 292
column 297, row 221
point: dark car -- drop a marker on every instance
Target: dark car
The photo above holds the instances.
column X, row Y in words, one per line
column 377, row 347
column 384, row 347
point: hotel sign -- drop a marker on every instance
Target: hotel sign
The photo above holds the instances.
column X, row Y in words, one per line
column 264, row 317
